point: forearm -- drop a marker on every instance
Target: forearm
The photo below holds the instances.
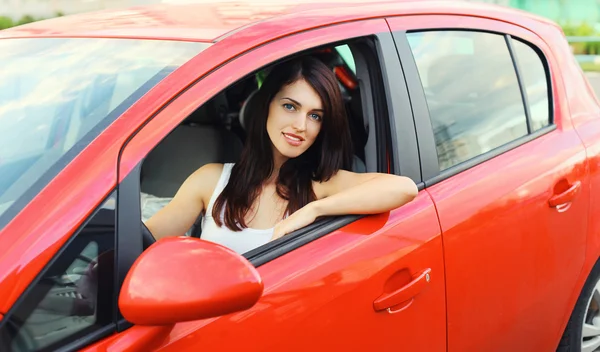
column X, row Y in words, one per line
column 378, row 195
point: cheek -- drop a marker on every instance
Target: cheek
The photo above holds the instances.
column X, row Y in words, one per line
column 275, row 120
column 272, row 121
column 312, row 132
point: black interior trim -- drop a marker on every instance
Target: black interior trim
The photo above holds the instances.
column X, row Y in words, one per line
column 382, row 120
column 487, row 156
column 129, row 234
column 522, row 88
column 297, row 239
column 425, row 138
column 362, row 50
column 402, row 126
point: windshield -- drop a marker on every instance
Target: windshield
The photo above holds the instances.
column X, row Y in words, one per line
column 58, row 94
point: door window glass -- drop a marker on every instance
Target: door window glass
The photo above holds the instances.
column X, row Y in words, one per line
column 533, row 73
column 472, row 92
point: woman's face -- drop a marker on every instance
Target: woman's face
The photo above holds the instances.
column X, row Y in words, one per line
column 294, row 120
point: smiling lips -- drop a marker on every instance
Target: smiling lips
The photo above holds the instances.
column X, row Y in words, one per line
column 293, row 139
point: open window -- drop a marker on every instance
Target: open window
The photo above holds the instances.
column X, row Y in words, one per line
column 215, row 132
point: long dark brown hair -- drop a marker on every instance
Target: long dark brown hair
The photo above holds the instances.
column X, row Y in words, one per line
column 331, row 151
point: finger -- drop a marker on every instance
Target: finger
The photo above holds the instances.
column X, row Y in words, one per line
column 280, row 233
column 276, row 235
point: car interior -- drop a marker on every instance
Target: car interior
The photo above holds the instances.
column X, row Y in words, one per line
column 215, row 132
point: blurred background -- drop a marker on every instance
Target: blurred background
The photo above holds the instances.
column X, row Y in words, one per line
column 580, row 20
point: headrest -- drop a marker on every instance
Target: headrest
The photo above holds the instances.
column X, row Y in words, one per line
column 244, row 111
column 213, row 111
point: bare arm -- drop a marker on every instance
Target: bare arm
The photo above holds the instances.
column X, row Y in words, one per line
column 190, row 200
column 370, row 193
column 351, row 193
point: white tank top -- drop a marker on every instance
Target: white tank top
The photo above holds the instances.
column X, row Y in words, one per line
column 240, row 241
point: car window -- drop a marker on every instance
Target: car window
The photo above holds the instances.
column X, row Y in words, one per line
column 218, row 128
column 472, row 92
column 74, row 296
column 533, row 72
column 57, row 94
column 346, row 54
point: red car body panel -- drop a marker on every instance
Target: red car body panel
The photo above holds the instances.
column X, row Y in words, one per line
column 492, row 234
column 304, row 296
column 360, row 261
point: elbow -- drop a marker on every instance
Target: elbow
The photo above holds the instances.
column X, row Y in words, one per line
column 408, row 188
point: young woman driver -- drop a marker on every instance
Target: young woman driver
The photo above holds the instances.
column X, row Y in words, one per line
column 293, row 169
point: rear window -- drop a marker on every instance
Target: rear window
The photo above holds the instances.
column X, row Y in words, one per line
column 58, row 94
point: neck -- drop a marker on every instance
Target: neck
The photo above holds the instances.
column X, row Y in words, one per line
column 278, row 161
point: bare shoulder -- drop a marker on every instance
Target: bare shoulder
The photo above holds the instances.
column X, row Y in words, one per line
column 208, row 173
column 203, row 181
column 189, row 201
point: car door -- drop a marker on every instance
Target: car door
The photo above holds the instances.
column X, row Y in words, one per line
column 370, row 283
column 507, row 173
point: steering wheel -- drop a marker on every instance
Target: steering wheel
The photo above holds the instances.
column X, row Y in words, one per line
column 22, row 338
column 147, row 238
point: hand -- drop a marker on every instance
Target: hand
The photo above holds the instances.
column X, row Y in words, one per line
column 303, row 217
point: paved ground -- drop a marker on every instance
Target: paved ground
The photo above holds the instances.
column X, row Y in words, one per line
column 594, row 79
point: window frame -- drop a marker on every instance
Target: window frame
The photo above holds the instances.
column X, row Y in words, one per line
column 92, row 335
column 397, row 113
column 383, row 64
column 510, row 39
column 427, row 148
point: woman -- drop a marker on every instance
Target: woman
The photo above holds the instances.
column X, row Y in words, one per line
column 292, row 169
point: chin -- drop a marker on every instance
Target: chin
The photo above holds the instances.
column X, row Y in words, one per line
column 290, row 153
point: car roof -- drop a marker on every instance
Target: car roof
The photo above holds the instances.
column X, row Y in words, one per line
column 212, row 20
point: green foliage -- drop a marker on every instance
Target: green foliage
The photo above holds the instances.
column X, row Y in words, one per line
column 590, row 66
column 25, row 19
column 6, row 22
column 583, row 30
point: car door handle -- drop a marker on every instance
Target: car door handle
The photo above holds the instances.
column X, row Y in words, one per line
column 405, row 293
column 565, row 197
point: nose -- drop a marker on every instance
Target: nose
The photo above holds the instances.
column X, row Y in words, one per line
column 299, row 123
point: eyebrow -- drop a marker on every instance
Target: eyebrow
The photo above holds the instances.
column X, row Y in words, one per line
column 298, row 103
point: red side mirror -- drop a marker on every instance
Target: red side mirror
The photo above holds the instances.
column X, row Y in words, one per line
column 183, row 279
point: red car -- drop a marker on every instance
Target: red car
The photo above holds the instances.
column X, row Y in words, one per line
column 103, row 115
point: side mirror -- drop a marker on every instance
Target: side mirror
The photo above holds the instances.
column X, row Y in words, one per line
column 183, row 279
